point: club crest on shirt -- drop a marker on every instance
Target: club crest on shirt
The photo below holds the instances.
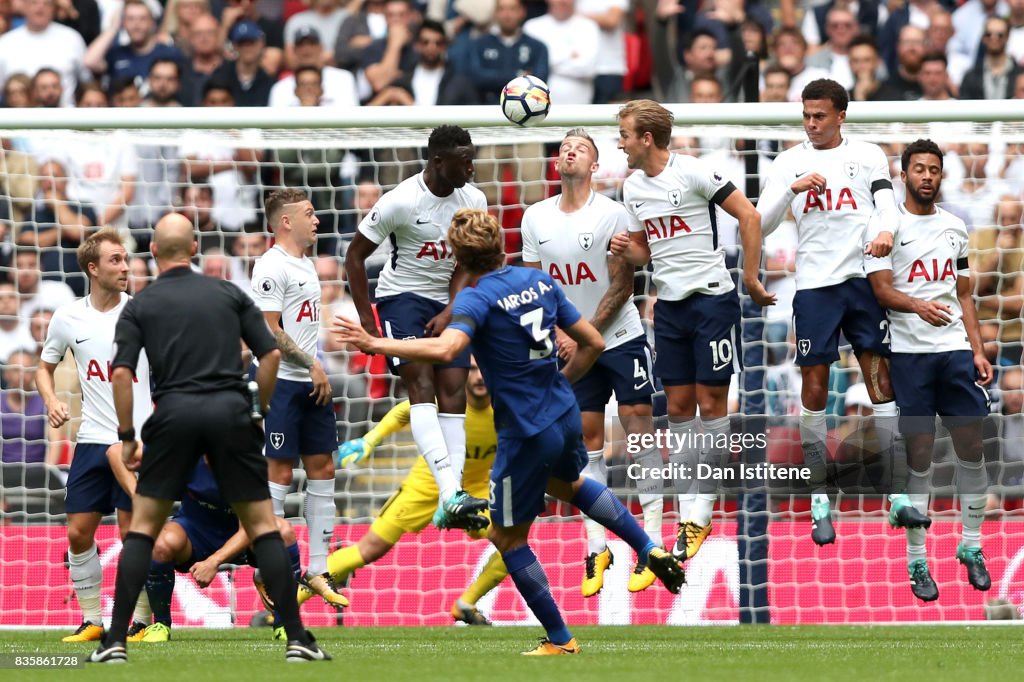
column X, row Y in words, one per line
column 804, row 346
column 953, row 239
column 277, row 440
column 675, row 197
column 586, row 240
column 851, row 168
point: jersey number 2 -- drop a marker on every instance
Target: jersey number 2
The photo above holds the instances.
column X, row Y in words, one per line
column 542, row 346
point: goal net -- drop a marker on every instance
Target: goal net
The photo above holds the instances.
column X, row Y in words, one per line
column 64, row 172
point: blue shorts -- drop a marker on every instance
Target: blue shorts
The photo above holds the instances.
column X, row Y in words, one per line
column 296, row 425
column 206, row 538
column 627, row 370
column 929, row 384
column 820, row 314
column 405, row 316
column 522, row 467
column 696, row 340
column 92, row 486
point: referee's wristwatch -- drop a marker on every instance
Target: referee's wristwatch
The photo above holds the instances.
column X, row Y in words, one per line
column 125, row 436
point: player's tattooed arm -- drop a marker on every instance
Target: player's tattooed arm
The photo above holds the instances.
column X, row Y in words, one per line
column 290, row 351
column 620, row 275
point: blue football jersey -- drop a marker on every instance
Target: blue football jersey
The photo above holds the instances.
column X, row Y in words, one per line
column 203, row 501
column 511, row 315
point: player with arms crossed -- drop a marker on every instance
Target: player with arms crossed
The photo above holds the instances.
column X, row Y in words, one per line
column 86, row 328
column 937, row 360
column 301, row 421
column 201, row 535
column 568, row 237
column 510, row 317
column 414, row 293
column 410, row 508
column 672, row 199
column 834, row 185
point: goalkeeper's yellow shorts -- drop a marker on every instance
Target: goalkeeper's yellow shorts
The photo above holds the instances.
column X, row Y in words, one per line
column 411, row 508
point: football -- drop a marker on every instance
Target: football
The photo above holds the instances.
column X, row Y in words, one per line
column 526, row 100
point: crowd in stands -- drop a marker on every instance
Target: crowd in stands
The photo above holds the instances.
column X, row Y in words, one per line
column 331, row 53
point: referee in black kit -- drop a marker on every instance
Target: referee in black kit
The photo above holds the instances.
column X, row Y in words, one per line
column 190, row 326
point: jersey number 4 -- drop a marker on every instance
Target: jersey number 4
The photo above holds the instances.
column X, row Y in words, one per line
column 541, row 346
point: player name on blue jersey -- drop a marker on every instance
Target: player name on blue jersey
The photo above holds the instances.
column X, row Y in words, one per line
column 531, row 295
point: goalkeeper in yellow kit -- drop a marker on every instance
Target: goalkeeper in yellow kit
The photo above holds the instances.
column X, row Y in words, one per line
column 411, row 507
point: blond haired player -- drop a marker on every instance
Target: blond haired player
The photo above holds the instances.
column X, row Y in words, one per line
column 411, row 508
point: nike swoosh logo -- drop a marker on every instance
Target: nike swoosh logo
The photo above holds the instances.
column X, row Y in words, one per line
column 801, row 173
column 301, row 284
column 82, row 340
column 421, row 222
column 637, row 387
column 638, row 204
column 544, row 242
column 719, row 368
column 904, row 243
column 976, row 508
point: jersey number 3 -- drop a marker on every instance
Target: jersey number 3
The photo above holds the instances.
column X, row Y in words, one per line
column 541, row 346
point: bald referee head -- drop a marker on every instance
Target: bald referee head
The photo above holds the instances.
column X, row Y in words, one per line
column 174, row 242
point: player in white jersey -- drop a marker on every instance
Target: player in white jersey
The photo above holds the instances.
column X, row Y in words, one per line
column 834, row 186
column 301, row 422
column 414, row 295
column 671, row 199
column 86, row 328
column 937, row 360
column 568, row 236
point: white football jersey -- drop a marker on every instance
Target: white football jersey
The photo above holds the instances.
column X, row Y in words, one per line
column 417, row 224
column 831, row 226
column 573, row 249
column 929, row 252
column 676, row 211
column 90, row 336
column 288, row 285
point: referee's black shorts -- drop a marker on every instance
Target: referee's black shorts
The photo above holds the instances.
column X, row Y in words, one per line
column 186, row 426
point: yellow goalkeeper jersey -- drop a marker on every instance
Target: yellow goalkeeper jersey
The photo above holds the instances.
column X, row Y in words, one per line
column 481, row 441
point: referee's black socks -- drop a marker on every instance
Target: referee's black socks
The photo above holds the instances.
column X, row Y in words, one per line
column 276, row 569
column 132, row 569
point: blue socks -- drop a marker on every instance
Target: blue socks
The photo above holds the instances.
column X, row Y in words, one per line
column 160, row 588
column 293, row 554
column 532, row 583
column 597, row 502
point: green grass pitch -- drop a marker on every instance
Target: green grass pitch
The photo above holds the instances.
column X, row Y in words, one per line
column 610, row 654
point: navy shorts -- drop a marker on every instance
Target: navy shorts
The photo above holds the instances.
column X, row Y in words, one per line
column 522, row 467
column 92, row 486
column 206, row 538
column 929, row 384
column 296, row 425
column 627, row 370
column 696, row 340
column 405, row 316
column 820, row 314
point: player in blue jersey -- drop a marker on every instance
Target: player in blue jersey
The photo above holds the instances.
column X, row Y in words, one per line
column 510, row 317
column 201, row 535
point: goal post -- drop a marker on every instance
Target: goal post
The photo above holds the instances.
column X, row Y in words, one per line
column 345, row 159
